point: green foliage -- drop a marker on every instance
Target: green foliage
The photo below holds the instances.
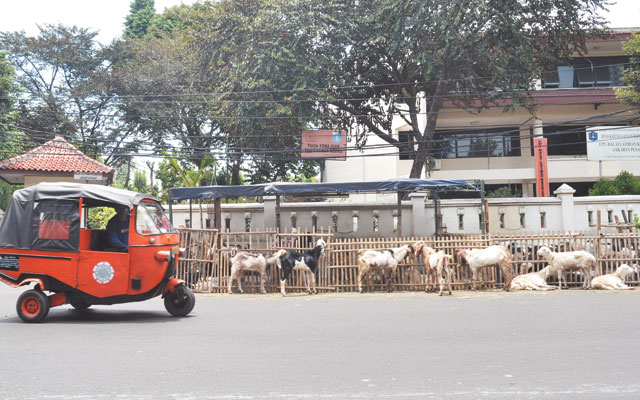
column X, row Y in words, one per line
column 141, row 13
column 99, row 217
column 631, row 93
column 504, row 191
column 140, row 184
column 624, row 183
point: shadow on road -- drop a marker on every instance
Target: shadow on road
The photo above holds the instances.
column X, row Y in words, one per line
column 99, row 316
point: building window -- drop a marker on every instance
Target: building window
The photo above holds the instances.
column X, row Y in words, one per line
column 187, row 223
column 460, row 222
column 566, row 140
column 543, row 220
column 334, row 222
column 395, row 223
column 294, row 221
column 376, row 223
column 499, row 142
column 355, row 223
column 590, row 218
column 522, row 220
column 587, row 72
column 314, row 222
column 480, row 221
column 407, row 145
column 502, row 220
column 247, row 224
column 610, row 216
column 227, row 223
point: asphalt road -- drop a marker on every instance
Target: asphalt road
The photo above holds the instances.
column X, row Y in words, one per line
column 494, row 345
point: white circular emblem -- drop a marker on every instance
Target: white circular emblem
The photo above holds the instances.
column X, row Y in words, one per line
column 103, row 272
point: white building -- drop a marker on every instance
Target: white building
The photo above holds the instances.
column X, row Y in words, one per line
column 572, row 99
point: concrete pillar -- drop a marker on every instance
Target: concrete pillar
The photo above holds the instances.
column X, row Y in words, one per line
column 565, row 194
column 269, row 211
column 419, row 213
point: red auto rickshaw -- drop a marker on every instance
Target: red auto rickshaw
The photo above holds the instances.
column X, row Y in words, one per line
column 45, row 240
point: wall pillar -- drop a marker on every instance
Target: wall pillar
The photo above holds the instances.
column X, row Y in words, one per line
column 565, row 194
column 269, row 211
column 419, row 213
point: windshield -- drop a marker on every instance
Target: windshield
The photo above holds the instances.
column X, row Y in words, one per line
column 151, row 219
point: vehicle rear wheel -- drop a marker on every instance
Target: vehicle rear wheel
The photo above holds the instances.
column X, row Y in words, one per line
column 79, row 304
column 32, row 306
column 180, row 302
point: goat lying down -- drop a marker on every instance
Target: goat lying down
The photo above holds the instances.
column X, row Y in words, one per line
column 569, row 261
column 614, row 281
column 244, row 261
column 386, row 260
column 533, row 281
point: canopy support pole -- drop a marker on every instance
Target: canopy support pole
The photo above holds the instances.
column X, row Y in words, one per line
column 484, row 210
column 278, row 212
column 399, row 193
column 190, row 213
column 217, row 212
column 436, row 212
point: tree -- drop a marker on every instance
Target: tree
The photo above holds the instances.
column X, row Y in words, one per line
column 624, row 183
column 631, row 93
column 141, row 13
column 68, row 90
column 376, row 60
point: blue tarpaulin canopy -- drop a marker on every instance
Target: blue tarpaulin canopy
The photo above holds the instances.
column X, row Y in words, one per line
column 294, row 188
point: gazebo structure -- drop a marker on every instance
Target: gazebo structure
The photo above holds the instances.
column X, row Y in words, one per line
column 55, row 161
column 276, row 189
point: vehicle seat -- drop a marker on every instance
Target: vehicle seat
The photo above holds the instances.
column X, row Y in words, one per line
column 99, row 240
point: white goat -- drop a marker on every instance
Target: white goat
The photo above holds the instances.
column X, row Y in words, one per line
column 569, row 261
column 438, row 261
column 614, row 281
column 533, row 281
column 488, row 257
column 244, row 261
column 420, row 248
column 386, row 260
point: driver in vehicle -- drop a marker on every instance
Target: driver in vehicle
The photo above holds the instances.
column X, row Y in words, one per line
column 118, row 230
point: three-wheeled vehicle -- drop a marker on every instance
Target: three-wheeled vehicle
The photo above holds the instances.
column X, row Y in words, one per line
column 45, row 240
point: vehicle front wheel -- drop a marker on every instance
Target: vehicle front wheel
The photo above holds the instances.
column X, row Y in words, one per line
column 180, row 302
column 32, row 306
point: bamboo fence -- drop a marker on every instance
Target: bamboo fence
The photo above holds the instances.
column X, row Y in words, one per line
column 205, row 266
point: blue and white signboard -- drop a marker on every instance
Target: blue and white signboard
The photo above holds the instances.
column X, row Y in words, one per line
column 613, row 143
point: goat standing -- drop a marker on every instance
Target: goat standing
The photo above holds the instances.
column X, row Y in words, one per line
column 386, row 260
column 488, row 257
column 569, row 261
column 306, row 262
column 244, row 261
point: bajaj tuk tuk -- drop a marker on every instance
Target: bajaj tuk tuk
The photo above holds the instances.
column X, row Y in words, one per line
column 45, row 240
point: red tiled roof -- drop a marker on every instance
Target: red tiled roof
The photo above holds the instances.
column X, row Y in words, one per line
column 56, row 155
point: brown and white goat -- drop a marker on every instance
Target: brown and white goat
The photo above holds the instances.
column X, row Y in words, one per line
column 487, row 257
column 420, row 248
column 386, row 261
column 244, row 261
column 614, row 281
column 569, row 261
column 438, row 261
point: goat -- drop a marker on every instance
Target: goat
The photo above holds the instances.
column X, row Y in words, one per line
column 426, row 251
column 386, row 260
column 569, row 261
column 487, row 257
column 306, row 262
column 438, row 261
column 244, row 261
column 532, row 281
column 614, row 281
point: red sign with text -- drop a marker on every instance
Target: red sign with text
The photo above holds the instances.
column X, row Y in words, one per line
column 542, row 173
column 324, row 143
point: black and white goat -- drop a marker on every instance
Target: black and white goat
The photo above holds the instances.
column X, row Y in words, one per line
column 306, row 262
column 386, row 261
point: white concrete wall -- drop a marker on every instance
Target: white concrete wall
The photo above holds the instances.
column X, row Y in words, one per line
column 450, row 209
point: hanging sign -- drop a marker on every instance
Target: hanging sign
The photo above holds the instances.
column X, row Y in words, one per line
column 324, row 143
